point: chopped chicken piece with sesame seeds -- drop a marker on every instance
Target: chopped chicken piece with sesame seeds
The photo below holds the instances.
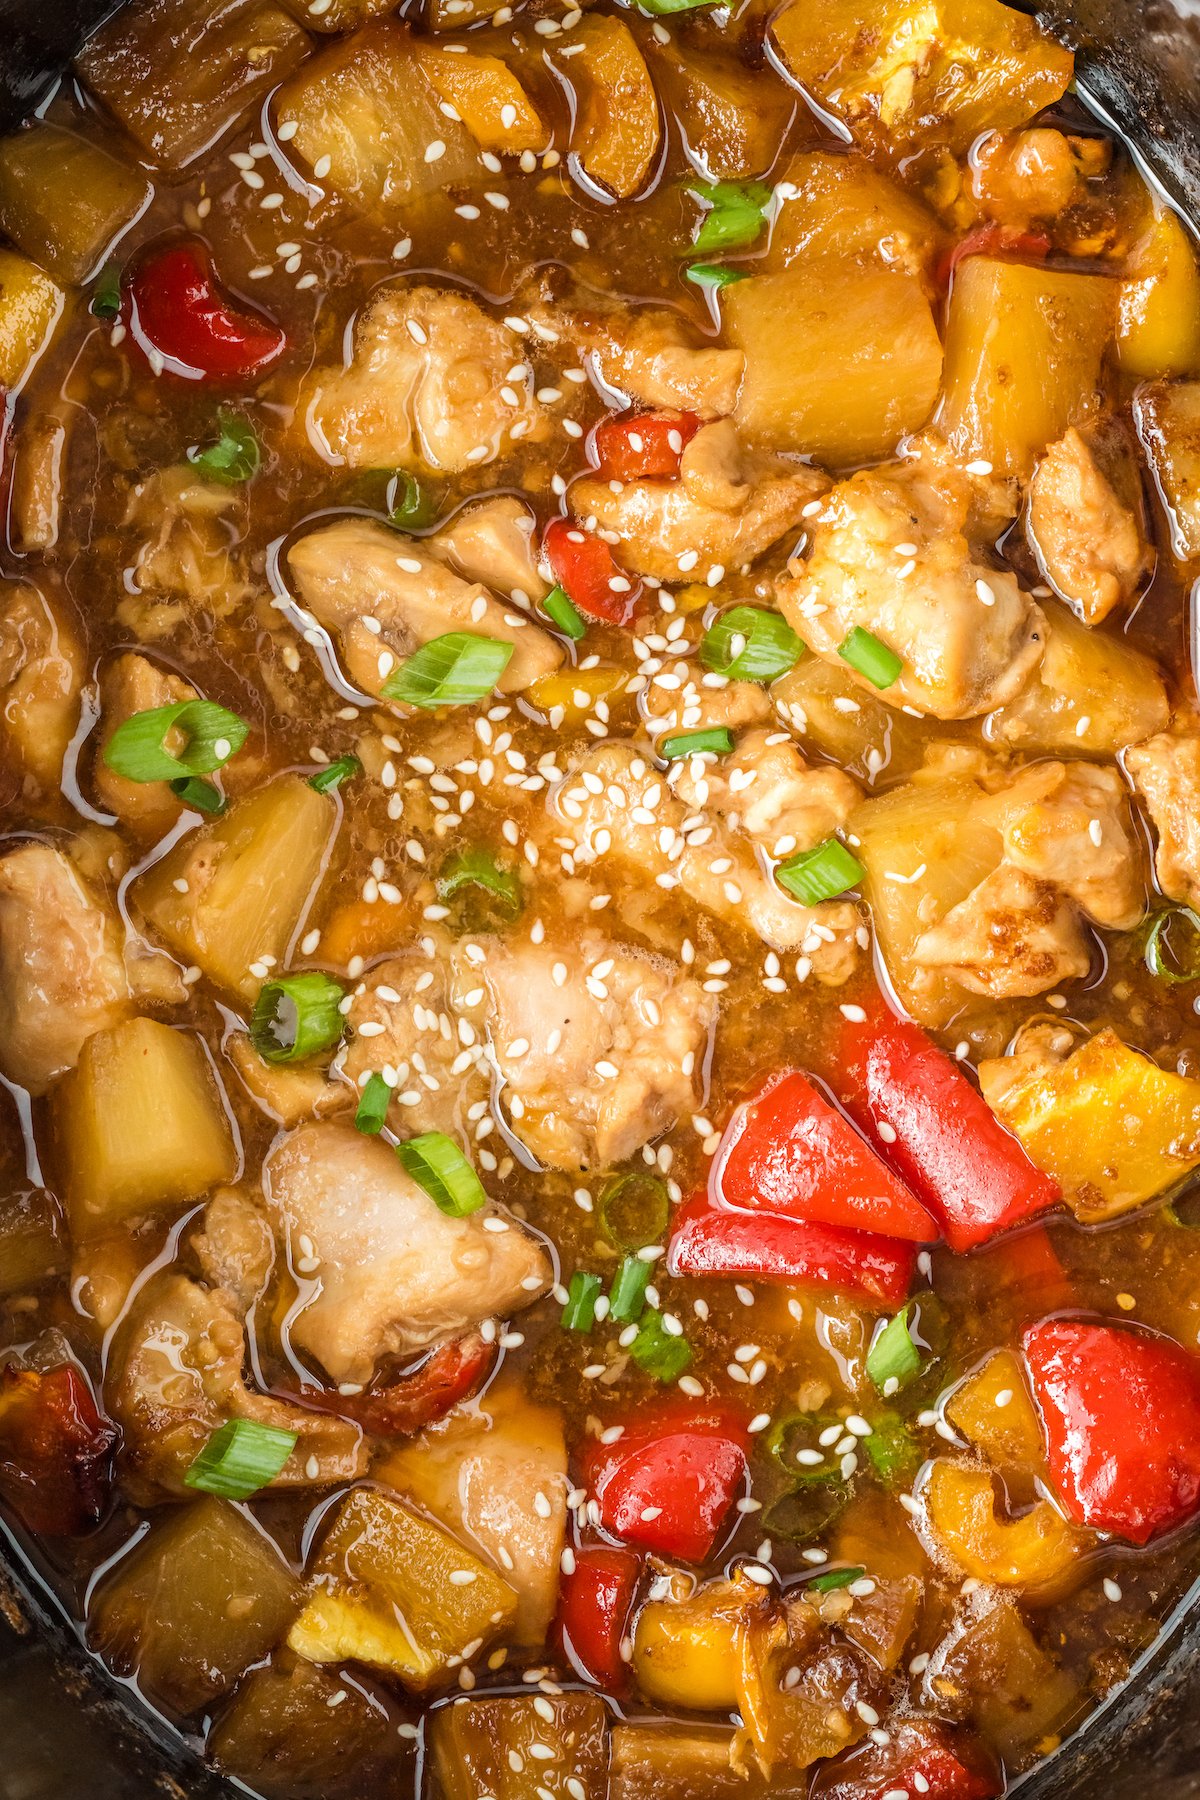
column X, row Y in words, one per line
column 891, row 557
column 1011, row 937
column 431, row 383
column 694, row 700
column 188, row 559
column 384, row 595
column 394, row 1274
column 1070, row 824
column 1087, row 539
column 132, row 684
column 765, row 788
column 62, row 975
column 598, row 1046
column 617, row 804
column 726, row 508
column 650, row 354
column 1166, row 770
column 492, row 542
column 404, row 1028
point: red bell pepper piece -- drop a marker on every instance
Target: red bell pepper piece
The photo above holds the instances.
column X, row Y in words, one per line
column 668, row 1482
column 584, row 565
column 593, row 1607
column 791, row 1152
column 937, row 1131
column 646, row 446
column 1024, row 1272
column 922, row 1758
column 176, row 309
column 417, row 1399
column 1121, row 1411
column 56, row 1450
column 710, row 1240
column 994, row 239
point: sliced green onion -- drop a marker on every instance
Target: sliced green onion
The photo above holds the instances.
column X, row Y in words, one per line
column 455, row 670
column 409, row 507
column 821, row 874
column 105, row 302
column 893, row 1357
column 875, row 661
column 660, row 1352
column 201, row 795
column 235, row 456
column 713, row 275
column 748, row 643
column 296, row 1016
column 240, row 1458
column 894, row 1453
column 718, row 741
column 737, row 212
column 562, row 612
column 809, row 1509
column 833, row 1579
column 1184, row 1210
column 658, row 7
column 436, row 1164
column 1169, row 963
column 798, row 1431
column 137, row 748
column 373, row 1104
column 627, row 1295
column 332, row 776
column 633, row 1209
column 478, row 868
column 579, row 1314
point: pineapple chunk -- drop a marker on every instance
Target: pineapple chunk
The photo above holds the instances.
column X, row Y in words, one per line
column 339, row 15
column 1007, row 1435
column 1158, row 315
column 365, row 110
column 731, row 118
column 293, row 1729
column 935, row 823
column 65, row 201
column 834, row 714
column 1024, row 348
column 1037, row 1553
column 498, row 1747
column 616, row 134
column 1092, row 695
column 140, row 1125
column 841, row 206
column 697, row 1762
column 927, row 69
column 396, row 1591
column 990, row 1664
column 842, row 359
column 483, row 90
column 1167, row 414
column 30, row 305
column 201, row 1598
column 456, row 15
column 250, row 876
column 1112, row 1128
column 33, row 1245
column 178, row 73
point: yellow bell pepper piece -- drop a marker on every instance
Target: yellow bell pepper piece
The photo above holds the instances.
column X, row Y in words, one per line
column 487, row 97
column 992, row 1409
column 686, row 1653
column 1158, row 313
column 1037, row 1552
column 576, row 691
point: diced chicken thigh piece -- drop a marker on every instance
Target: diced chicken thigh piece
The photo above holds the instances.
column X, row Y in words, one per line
column 188, row 561
column 727, row 507
column 62, row 975
column 693, row 700
column 597, row 1045
column 391, row 1273
column 890, row 555
column 1011, row 937
column 1069, row 824
column 288, row 1093
column 649, row 354
column 1166, row 770
column 131, row 684
column 405, row 1028
column 1087, row 540
column 235, row 1247
column 383, row 596
column 491, row 541
column 765, row 788
column 432, row 381
column 615, row 803
column 41, row 674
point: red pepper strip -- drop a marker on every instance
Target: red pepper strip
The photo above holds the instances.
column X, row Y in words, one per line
column 791, row 1152
column 950, row 1767
column 584, row 565
column 682, row 1467
column 1121, row 1411
column 937, row 1131
column 708, row 1240
column 644, row 447
column 593, row 1606
column 417, row 1399
column 993, row 240
column 175, row 309
column 56, row 1450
